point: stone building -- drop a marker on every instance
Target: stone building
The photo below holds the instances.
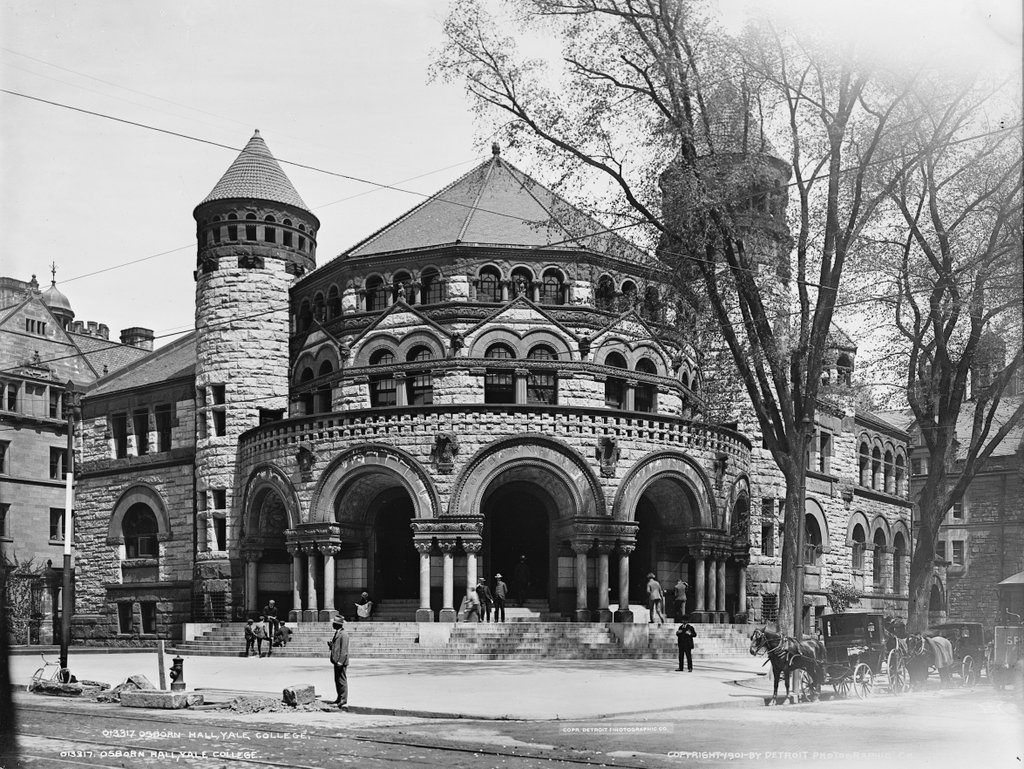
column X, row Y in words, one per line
column 483, row 385
column 42, row 347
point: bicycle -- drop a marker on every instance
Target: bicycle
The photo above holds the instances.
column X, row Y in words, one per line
column 48, row 673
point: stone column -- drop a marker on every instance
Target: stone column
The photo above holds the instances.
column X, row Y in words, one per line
column 329, row 551
column 581, row 549
column 520, row 382
column 401, row 394
column 624, row 614
column 295, row 615
column 603, row 612
column 471, row 548
column 698, row 589
column 721, row 585
column 630, row 395
column 309, row 613
column 712, row 585
column 251, row 585
column 742, row 588
column 424, row 613
column 448, row 610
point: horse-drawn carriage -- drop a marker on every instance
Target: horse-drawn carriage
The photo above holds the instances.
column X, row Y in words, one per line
column 855, row 651
column 969, row 648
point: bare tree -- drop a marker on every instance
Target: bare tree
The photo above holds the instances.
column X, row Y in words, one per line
column 954, row 260
column 640, row 89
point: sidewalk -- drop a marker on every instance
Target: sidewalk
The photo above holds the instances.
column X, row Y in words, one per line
column 559, row 689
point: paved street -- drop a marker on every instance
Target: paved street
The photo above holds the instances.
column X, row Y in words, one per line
column 715, row 720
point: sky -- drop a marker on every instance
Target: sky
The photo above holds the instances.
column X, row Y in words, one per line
column 341, row 86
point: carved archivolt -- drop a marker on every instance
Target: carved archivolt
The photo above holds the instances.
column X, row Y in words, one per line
column 377, row 459
column 548, row 455
column 268, row 479
column 665, row 464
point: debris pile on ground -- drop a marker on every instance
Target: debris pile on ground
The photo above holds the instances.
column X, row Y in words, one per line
column 270, row 705
column 132, row 683
column 299, row 695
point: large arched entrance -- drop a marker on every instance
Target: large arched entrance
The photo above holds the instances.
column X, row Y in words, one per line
column 395, row 562
column 665, row 512
column 273, row 570
column 517, row 540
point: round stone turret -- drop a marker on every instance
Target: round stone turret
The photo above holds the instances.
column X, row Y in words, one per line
column 255, row 236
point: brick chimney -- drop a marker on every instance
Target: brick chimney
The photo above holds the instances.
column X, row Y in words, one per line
column 136, row 336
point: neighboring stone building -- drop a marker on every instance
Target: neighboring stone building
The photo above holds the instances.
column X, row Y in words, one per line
column 981, row 542
column 42, row 347
column 481, row 386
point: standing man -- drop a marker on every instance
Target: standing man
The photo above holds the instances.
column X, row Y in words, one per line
column 681, row 588
column 339, row 659
column 521, row 576
column 250, row 637
column 270, row 612
column 500, row 594
column 684, row 637
column 472, row 605
column 655, row 599
column 486, row 600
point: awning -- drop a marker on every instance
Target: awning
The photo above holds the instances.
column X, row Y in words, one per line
column 1014, row 581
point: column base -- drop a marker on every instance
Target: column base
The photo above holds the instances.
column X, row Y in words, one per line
column 582, row 615
column 424, row 615
column 294, row 616
column 604, row 615
column 309, row 615
column 702, row 617
column 447, row 615
column 327, row 615
column 624, row 617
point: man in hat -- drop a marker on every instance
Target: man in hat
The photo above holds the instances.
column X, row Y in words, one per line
column 486, row 600
column 260, row 631
column 270, row 612
column 655, row 599
column 250, row 637
column 684, row 637
column 339, row 659
column 500, row 594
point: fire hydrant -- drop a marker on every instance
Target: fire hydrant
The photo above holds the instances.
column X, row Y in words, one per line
column 177, row 675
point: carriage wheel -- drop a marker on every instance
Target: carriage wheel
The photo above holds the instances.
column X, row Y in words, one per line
column 842, row 687
column 807, row 691
column 968, row 673
column 862, row 683
column 899, row 678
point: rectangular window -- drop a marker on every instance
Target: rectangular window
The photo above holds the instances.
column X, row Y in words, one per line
column 220, row 422
column 499, row 387
column 645, row 398
column 542, row 387
column 220, row 529
column 615, row 393
column 56, row 524
column 119, row 432
column 421, row 389
column 232, row 232
column 217, row 394
column 140, row 423
column 916, row 466
column 219, row 499
column 383, row 391
column 270, row 415
column 216, row 234
column 958, row 552
column 824, row 452
column 269, row 235
column 286, row 238
column 148, row 616
column 5, row 509
column 768, row 538
column 12, row 397
column 250, row 232
column 164, row 421
column 54, row 404
column 940, row 550
column 57, row 459
column 203, row 428
column 124, row 618
column 4, row 446
column 957, row 512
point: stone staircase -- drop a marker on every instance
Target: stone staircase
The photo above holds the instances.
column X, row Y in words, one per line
column 524, row 639
column 401, row 610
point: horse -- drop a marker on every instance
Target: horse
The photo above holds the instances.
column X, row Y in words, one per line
column 924, row 652
column 786, row 654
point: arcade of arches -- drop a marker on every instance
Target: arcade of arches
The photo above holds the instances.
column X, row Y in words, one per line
column 528, row 520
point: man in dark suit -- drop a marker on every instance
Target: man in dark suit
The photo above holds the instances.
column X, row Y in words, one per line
column 486, row 600
column 684, row 637
column 339, row 659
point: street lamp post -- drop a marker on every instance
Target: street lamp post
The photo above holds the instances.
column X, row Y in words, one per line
column 71, row 405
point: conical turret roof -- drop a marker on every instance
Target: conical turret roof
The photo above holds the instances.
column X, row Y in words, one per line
column 256, row 174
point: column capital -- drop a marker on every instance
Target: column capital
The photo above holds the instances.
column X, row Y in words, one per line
column 252, row 555
column 330, row 548
column 581, row 547
column 626, row 550
column 472, row 546
column 446, row 546
column 423, row 547
column 293, row 549
column 308, row 547
column 604, row 548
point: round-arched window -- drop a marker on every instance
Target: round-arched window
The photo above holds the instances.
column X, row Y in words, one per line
column 489, row 285
column 383, row 389
column 499, row 383
column 542, row 382
column 139, row 530
column 419, row 384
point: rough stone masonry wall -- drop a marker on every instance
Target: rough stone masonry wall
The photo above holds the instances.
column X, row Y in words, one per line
column 993, row 530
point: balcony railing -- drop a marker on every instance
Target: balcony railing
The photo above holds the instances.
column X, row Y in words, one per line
column 368, row 425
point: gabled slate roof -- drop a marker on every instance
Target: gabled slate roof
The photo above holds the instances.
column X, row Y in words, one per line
column 256, row 174
column 177, row 359
column 496, row 204
column 102, row 353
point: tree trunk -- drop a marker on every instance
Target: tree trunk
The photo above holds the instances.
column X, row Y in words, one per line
column 789, row 613
column 922, row 561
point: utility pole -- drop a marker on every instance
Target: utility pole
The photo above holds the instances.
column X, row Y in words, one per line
column 71, row 405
